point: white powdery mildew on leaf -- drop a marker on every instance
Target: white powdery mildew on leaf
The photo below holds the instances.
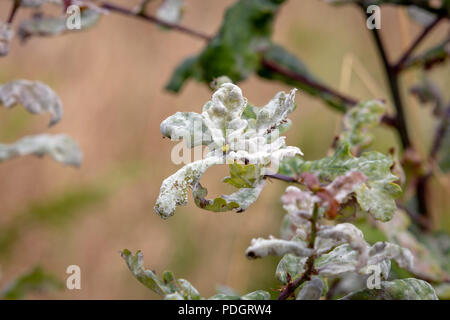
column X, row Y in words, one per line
column 400, row 289
column 60, row 147
column 345, row 259
column 38, row 3
column 332, row 236
column 312, row 290
column 171, row 11
column 381, row 251
column 260, row 248
column 231, row 138
column 343, row 186
column 35, row 96
column 174, row 189
column 6, row 35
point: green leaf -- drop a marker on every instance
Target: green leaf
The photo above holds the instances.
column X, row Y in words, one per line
column 243, row 176
column 376, row 196
column 235, row 51
column 239, row 200
column 168, row 287
column 147, row 277
column 36, row 280
column 182, row 73
column 401, row 289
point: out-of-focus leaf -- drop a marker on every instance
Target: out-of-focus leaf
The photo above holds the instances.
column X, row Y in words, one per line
column 431, row 57
column 312, row 290
column 171, row 11
column 37, row 280
column 35, row 97
column 6, row 35
column 401, row 289
column 428, row 92
column 443, row 291
column 260, row 248
column 60, row 147
column 51, row 26
column 358, row 120
column 427, row 263
column 376, row 196
column 38, row 3
column 168, row 287
column 235, row 50
column 421, row 16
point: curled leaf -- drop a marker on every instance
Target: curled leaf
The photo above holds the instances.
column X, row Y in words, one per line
column 260, row 248
column 35, row 97
column 168, row 287
column 60, row 147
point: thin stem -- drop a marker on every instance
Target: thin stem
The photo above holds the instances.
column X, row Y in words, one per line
column 13, row 12
column 298, row 77
column 289, row 290
column 282, row 177
column 404, row 58
column 153, row 19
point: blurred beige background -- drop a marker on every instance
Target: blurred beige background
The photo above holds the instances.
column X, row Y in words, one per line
column 111, row 79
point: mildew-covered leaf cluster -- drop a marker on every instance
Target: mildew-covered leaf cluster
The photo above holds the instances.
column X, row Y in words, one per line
column 235, row 133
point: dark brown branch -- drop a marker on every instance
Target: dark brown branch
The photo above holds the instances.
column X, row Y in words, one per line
column 397, row 67
column 149, row 18
column 395, row 91
column 13, row 12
